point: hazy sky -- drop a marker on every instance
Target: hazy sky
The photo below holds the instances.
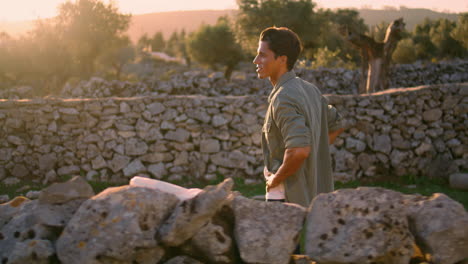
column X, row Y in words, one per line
column 15, row 10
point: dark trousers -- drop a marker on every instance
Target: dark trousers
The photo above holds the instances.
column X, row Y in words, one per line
column 297, row 251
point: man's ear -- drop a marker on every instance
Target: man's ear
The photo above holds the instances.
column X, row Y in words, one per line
column 284, row 59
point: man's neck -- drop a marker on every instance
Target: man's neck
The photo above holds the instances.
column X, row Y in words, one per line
column 274, row 79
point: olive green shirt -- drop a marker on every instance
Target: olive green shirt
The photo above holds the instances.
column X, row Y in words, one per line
column 299, row 116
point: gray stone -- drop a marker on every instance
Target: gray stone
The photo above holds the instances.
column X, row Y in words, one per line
column 68, row 170
column 213, row 242
column 135, row 147
column 47, row 162
column 34, row 224
column 118, row 162
column 423, row 148
column 365, row 160
column 190, row 215
column 219, row 120
column 20, row 171
column 181, row 159
column 33, row 194
column 432, row 115
column 31, row 251
column 124, row 107
column 11, row 208
column 361, row 225
column 15, row 140
column 69, row 111
column 180, row 135
column 342, row 159
column 134, row 168
column 129, row 213
column 92, row 138
column 235, row 159
column 382, row 143
column 156, row 108
column 157, row 170
column 261, row 239
column 5, row 154
column 459, row 181
column 209, row 146
column 59, row 193
column 355, row 145
column 168, row 125
column 398, row 157
column 199, row 115
column 446, row 241
column 99, row 163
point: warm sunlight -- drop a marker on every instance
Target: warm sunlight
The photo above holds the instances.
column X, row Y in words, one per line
column 31, row 9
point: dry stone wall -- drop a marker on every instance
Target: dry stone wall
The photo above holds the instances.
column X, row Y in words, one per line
column 333, row 81
column 418, row 131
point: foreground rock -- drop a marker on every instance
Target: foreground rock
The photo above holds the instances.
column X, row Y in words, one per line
column 366, row 225
column 135, row 224
column 116, row 225
column 266, row 232
column 29, row 229
column 440, row 226
column 190, row 215
column 375, row 225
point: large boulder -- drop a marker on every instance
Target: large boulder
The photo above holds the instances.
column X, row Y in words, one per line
column 190, row 215
column 266, row 232
column 30, row 228
column 364, row 225
column 117, row 225
column 214, row 243
column 440, row 226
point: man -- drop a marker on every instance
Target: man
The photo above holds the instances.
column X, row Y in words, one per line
column 295, row 133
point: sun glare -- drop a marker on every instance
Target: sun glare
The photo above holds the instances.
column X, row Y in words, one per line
column 19, row 10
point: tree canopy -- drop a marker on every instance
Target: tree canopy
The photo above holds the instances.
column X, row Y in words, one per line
column 256, row 15
column 214, row 45
column 89, row 27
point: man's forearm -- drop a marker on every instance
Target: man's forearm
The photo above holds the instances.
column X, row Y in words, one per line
column 332, row 135
column 292, row 161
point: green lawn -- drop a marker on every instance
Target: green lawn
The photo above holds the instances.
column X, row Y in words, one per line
column 407, row 185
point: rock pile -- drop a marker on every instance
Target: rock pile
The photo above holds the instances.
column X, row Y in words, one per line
column 130, row 224
column 419, row 131
column 330, row 81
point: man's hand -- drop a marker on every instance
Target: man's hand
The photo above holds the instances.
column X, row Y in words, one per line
column 332, row 135
column 292, row 161
column 272, row 182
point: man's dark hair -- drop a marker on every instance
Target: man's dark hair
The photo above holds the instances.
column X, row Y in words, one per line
column 283, row 41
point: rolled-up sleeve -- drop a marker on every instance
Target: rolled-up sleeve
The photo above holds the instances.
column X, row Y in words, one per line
column 291, row 122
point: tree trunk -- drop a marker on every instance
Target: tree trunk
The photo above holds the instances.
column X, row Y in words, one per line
column 376, row 57
column 228, row 72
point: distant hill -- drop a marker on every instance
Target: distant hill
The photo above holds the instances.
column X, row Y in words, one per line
column 411, row 16
column 168, row 22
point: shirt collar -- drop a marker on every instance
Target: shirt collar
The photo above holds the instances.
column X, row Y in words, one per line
column 282, row 80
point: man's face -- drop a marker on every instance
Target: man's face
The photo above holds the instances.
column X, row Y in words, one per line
column 267, row 65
